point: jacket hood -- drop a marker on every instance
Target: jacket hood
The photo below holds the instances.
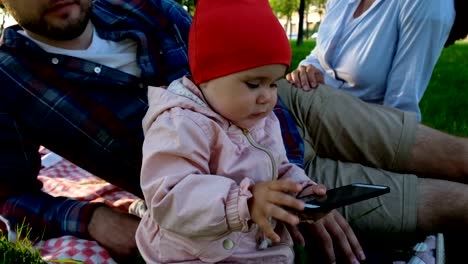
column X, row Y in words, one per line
column 181, row 93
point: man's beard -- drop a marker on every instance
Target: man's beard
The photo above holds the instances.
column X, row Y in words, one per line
column 69, row 30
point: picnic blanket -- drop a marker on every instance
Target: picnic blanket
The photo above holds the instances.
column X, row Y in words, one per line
column 63, row 178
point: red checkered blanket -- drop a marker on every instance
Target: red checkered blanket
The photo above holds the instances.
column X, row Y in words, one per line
column 63, row 178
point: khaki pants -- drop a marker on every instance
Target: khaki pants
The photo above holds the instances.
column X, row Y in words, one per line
column 347, row 140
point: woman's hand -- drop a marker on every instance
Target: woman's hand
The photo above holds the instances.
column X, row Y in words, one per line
column 305, row 77
column 270, row 199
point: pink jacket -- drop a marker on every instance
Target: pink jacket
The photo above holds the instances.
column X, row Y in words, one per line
column 196, row 173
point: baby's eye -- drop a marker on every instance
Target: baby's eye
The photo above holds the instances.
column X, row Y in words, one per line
column 252, row 85
column 273, row 85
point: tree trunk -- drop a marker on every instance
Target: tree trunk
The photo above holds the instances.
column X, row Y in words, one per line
column 2, row 26
column 300, row 33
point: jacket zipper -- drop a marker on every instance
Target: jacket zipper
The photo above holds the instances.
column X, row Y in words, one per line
column 274, row 172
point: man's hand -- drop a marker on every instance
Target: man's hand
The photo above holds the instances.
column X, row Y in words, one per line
column 305, row 77
column 332, row 231
column 269, row 199
column 115, row 231
column 318, row 190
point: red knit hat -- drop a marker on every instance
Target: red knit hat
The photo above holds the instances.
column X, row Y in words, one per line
column 229, row 36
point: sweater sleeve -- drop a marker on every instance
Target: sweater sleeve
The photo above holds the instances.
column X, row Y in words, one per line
column 424, row 26
column 291, row 171
column 48, row 216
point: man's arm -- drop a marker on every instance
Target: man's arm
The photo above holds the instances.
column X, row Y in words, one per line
column 19, row 157
column 22, row 201
column 179, row 17
column 48, row 216
column 115, row 231
column 21, row 198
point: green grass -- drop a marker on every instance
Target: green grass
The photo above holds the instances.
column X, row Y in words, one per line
column 18, row 252
column 300, row 52
column 21, row 251
column 445, row 104
column 444, row 107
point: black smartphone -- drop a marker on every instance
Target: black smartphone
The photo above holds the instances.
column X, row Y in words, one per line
column 342, row 196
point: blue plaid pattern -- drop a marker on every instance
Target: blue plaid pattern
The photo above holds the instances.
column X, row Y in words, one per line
column 291, row 138
column 92, row 119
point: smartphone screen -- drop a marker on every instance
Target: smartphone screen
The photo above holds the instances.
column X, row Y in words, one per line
column 342, row 196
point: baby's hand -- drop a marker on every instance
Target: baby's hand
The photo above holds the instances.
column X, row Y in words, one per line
column 315, row 189
column 269, row 200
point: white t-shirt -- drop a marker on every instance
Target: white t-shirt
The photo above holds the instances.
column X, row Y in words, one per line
column 119, row 55
column 387, row 54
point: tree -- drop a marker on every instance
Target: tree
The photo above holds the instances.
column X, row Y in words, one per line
column 300, row 33
column 320, row 7
column 304, row 9
column 285, row 8
column 4, row 15
column 189, row 4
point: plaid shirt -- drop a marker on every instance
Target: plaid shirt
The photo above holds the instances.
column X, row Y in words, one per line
column 90, row 117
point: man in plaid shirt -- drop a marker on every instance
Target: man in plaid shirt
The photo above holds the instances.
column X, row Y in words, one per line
column 74, row 76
